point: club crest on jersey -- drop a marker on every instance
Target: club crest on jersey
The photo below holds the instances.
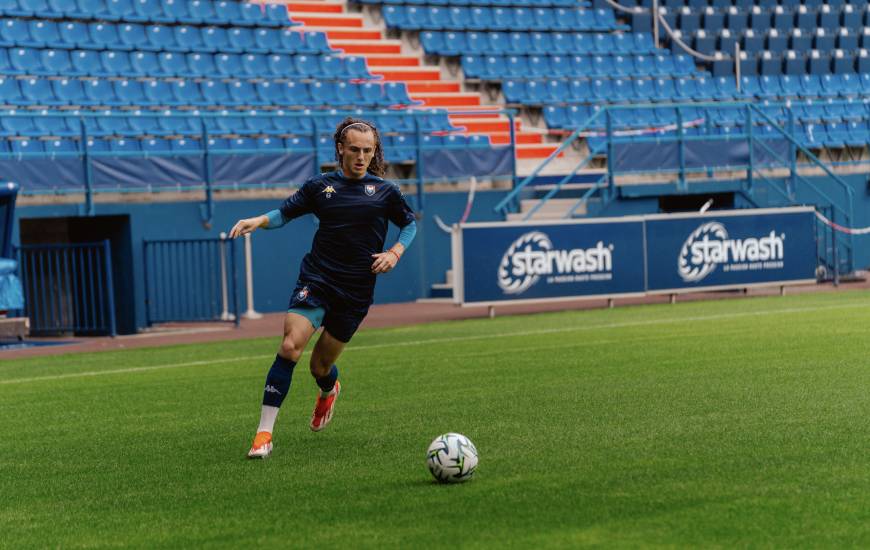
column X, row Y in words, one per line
column 370, row 190
column 303, row 293
column 329, row 190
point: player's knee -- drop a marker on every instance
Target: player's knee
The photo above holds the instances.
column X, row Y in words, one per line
column 319, row 367
column 290, row 349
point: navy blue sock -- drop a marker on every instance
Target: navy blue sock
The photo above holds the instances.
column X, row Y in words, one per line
column 327, row 382
column 278, row 381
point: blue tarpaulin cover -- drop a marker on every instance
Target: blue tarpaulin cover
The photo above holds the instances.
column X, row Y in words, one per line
column 11, row 293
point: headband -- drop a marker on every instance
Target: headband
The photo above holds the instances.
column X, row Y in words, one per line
column 352, row 125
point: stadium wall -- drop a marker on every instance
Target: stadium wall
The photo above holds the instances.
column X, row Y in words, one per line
column 276, row 253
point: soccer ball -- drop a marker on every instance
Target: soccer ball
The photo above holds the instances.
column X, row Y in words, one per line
column 452, row 458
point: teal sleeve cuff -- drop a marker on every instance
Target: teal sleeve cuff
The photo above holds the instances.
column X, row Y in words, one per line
column 276, row 219
column 407, row 234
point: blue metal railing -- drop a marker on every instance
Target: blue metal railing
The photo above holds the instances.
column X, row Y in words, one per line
column 745, row 116
column 190, row 280
column 68, row 288
column 322, row 123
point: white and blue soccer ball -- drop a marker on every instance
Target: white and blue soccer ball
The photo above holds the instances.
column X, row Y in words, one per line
column 452, row 458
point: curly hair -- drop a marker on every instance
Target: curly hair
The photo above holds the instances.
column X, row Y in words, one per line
column 377, row 165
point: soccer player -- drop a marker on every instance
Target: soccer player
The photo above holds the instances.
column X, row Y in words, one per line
column 337, row 277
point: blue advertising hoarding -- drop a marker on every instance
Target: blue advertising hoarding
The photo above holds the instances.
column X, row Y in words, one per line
column 730, row 249
column 546, row 261
column 560, row 260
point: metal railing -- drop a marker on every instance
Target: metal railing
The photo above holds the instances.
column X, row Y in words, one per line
column 191, row 280
column 68, row 288
column 322, row 123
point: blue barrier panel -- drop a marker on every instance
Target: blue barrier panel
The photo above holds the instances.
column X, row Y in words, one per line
column 550, row 261
column 190, row 280
column 731, row 249
column 517, row 262
column 68, row 288
column 698, row 154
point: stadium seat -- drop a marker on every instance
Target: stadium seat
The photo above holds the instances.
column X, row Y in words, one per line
column 130, row 92
column 101, row 93
column 86, row 63
column 115, row 63
column 38, row 91
column 160, row 38
column 57, row 62
column 45, row 34
column 172, row 64
column 26, row 61
column 69, row 90
column 229, row 11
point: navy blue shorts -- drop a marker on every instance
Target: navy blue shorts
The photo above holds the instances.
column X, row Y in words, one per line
column 340, row 323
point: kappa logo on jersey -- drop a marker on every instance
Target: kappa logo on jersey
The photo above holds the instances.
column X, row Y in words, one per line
column 303, row 293
column 370, row 190
column 272, row 389
column 329, row 190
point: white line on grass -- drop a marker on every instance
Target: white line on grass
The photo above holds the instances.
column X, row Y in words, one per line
column 449, row 339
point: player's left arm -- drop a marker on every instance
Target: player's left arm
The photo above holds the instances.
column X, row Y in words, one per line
column 400, row 214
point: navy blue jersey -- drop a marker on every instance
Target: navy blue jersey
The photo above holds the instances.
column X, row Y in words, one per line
column 353, row 218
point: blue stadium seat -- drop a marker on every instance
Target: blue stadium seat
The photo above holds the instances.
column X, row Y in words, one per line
column 161, row 38
column 184, row 125
column 760, row 19
column 26, row 61
column 800, row 41
column 819, row 62
column 229, row 11
column 850, row 17
column 203, row 12
column 690, row 21
column 117, row 10
column 146, row 123
column 831, row 85
column 185, row 145
column 664, row 65
column 129, row 92
column 56, row 126
column 14, row 32
column 158, row 93
column 316, row 42
column 863, row 61
column 61, row 9
column 277, row 13
column 26, row 146
column 133, row 37
column 176, row 11
column 267, row 40
column 397, row 94
column 769, row 86
column 601, row 89
column 86, row 63
column 476, row 43
column 539, row 66
column 124, row 144
column 776, row 40
column 255, row 66
column 394, row 16
column 805, row 19
column 254, row 14
column 187, row 93
column 172, row 64
column 580, row 90
column 38, row 91
column 214, row 39
column 753, row 42
column 228, row 65
column 145, row 10
column 644, row 91
column 57, row 62
column 791, row 87
column 155, row 146
column 703, row 42
column 243, row 93
column 45, row 34
column 783, row 20
column 514, row 91
column 843, row 62
column 847, row 40
column 241, row 39
column 18, row 123
column 603, row 44
column 433, row 18
column 644, row 65
column 104, row 36
column 216, row 92
column 116, row 63
column 811, row 85
column 281, row 66
column 291, row 42
column 101, row 93
column 74, row 34
column 269, row 93
column 828, row 18
column 714, row 20
column 771, row 64
column 201, row 65
column 90, row 9
column 69, row 90
column 823, row 40
column 144, row 64
column 187, row 39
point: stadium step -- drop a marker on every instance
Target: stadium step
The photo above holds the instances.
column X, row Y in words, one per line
column 531, row 151
column 332, row 20
column 347, row 34
column 450, row 99
column 362, row 47
column 404, row 74
column 382, row 60
column 315, row 7
column 434, row 86
column 504, row 138
column 553, row 209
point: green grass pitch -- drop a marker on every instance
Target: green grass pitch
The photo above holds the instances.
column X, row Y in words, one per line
column 725, row 423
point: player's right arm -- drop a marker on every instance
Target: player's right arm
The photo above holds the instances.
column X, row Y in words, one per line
column 296, row 205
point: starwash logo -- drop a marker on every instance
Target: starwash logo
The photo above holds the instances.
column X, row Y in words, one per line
column 709, row 246
column 532, row 255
